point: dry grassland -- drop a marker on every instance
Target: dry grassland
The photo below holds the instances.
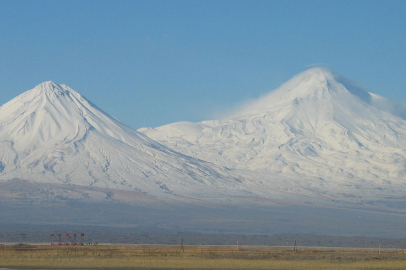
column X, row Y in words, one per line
column 198, row 257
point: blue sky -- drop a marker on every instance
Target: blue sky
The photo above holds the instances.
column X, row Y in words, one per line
column 150, row 63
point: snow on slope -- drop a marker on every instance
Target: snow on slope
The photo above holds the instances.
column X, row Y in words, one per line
column 319, row 127
column 52, row 134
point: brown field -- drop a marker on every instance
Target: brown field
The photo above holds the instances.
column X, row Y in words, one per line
column 198, row 257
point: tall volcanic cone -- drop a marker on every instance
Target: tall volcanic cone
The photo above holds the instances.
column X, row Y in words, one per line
column 51, row 134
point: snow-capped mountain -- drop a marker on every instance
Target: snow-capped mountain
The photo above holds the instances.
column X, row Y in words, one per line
column 309, row 157
column 320, row 128
column 319, row 138
column 51, row 134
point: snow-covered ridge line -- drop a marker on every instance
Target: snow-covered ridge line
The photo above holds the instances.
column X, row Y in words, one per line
column 318, row 125
column 53, row 134
column 319, row 138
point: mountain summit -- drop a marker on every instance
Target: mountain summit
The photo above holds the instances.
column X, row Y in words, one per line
column 326, row 87
column 316, row 84
column 51, row 134
column 318, row 126
column 52, row 114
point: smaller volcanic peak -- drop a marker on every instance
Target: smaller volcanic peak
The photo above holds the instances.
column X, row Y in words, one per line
column 49, row 92
column 49, row 113
column 52, row 114
column 50, row 87
column 53, row 134
column 60, row 94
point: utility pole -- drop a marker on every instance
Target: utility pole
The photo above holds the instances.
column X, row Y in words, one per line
column 22, row 238
column 237, row 245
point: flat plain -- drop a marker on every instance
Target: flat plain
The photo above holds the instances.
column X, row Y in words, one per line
column 197, row 257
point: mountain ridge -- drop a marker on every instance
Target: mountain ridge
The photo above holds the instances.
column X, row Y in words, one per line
column 311, row 141
column 53, row 134
column 317, row 125
column 315, row 157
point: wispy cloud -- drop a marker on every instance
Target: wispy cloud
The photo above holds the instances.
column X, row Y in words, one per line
column 316, row 65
